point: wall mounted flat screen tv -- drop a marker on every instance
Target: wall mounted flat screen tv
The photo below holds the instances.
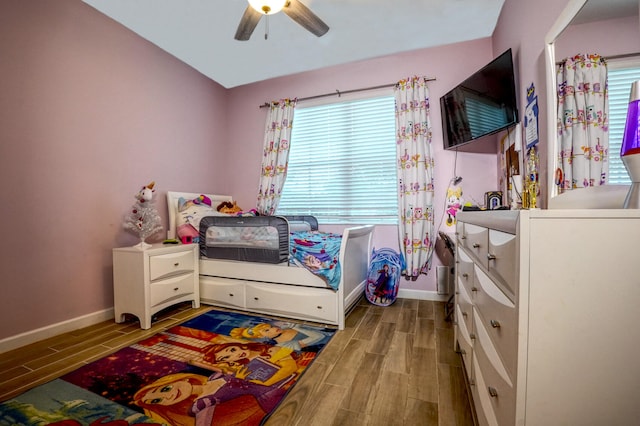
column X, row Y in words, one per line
column 483, row 104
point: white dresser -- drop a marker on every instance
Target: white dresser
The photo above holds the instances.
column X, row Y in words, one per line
column 547, row 314
column 147, row 281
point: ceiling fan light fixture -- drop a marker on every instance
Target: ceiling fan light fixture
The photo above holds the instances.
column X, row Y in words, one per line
column 267, row 7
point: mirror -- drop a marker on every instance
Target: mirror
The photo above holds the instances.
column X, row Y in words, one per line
column 558, row 45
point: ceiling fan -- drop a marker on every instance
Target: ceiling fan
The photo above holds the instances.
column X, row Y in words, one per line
column 294, row 9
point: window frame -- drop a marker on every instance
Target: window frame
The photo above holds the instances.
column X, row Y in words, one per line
column 339, row 99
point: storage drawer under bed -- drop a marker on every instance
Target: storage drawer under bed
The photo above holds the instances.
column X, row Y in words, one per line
column 313, row 304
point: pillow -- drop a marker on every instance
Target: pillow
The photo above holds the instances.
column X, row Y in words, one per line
column 191, row 213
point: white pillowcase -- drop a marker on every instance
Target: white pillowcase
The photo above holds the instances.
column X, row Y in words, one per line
column 192, row 214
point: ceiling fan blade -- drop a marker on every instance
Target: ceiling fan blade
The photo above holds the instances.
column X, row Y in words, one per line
column 305, row 17
column 247, row 24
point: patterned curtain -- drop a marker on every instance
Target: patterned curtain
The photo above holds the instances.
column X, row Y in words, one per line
column 583, row 123
column 415, row 175
column 275, row 155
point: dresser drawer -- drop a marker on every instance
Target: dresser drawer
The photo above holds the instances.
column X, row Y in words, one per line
column 498, row 316
column 301, row 302
column 464, row 342
column 502, row 260
column 484, row 411
column 465, row 306
column 171, row 288
column 496, row 393
column 464, row 270
column 476, row 240
column 222, row 292
column 164, row 265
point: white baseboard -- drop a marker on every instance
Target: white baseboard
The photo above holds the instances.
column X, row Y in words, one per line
column 52, row 330
column 422, row 295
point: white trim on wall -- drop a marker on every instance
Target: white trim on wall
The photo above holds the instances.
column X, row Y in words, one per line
column 52, row 330
column 422, row 295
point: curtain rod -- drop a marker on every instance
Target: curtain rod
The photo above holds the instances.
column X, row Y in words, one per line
column 339, row 93
column 614, row 57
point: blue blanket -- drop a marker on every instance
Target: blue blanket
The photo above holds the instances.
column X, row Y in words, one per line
column 318, row 252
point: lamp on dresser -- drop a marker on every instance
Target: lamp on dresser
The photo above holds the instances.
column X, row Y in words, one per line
column 630, row 151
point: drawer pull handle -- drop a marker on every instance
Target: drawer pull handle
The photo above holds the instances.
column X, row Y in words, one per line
column 465, row 275
column 463, row 352
column 256, row 298
column 176, row 289
column 472, row 382
column 176, row 264
column 495, row 323
column 464, row 314
column 474, row 288
column 476, row 245
column 472, row 336
column 493, row 393
column 230, row 294
column 319, row 307
column 463, row 237
column 491, row 256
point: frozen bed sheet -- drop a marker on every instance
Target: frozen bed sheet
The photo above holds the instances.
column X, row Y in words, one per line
column 319, row 253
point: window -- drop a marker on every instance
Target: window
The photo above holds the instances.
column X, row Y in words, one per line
column 342, row 162
column 621, row 73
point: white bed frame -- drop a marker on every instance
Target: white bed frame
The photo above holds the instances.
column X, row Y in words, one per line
column 280, row 289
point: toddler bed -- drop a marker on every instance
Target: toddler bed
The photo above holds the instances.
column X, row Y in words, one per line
column 256, row 271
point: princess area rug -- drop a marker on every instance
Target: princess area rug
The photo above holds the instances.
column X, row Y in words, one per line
column 221, row 368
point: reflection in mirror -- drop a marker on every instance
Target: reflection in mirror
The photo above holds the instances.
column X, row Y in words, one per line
column 607, row 27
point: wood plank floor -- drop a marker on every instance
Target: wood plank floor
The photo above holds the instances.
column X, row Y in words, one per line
column 390, row 366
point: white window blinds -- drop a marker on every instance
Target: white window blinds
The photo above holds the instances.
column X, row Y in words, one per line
column 342, row 162
column 620, row 75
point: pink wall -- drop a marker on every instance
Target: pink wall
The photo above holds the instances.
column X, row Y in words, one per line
column 523, row 26
column 89, row 112
column 608, row 38
column 448, row 64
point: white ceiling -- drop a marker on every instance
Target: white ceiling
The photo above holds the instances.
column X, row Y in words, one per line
column 200, row 32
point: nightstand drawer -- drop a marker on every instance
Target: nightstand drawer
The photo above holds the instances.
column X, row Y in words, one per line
column 171, row 288
column 165, row 265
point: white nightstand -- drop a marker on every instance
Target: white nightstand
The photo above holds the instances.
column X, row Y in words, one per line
column 147, row 281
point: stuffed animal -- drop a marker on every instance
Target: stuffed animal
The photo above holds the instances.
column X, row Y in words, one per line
column 146, row 193
column 228, row 207
column 454, row 203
